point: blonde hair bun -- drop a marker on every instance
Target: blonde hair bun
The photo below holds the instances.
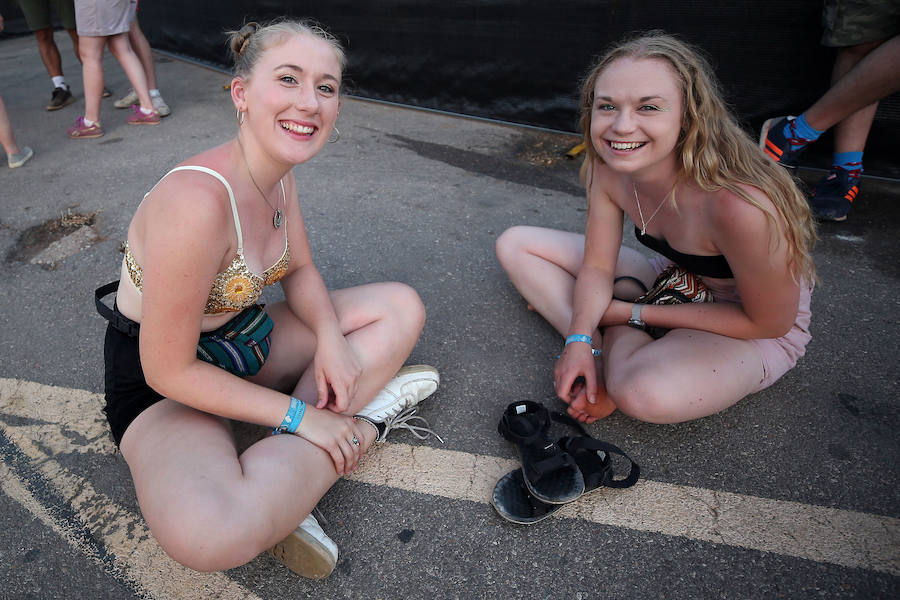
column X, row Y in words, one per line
column 242, row 36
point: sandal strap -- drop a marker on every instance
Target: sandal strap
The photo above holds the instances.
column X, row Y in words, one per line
column 573, row 445
column 526, row 423
column 537, row 418
column 565, row 419
column 539, row 468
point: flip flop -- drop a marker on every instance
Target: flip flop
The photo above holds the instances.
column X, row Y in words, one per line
column 549, row 473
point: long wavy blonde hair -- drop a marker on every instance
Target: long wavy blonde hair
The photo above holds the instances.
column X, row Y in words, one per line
column 713, row 150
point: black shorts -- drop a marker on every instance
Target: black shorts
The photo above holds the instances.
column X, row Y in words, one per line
column 240, row 346
column 127, row 392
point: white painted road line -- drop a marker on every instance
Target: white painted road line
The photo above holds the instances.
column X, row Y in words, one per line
column 840, row 537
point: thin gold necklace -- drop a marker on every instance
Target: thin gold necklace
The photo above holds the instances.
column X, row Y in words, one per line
column 641, row 213
column 278, row 215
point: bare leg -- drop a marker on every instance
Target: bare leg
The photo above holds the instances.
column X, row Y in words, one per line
column 141, row 47
column 121, row 49
column 862, row 75
column 91, row 48
column 382, row 322
column 7, row 139
column 74, row 35
column 211, row 509
column 49, row 51
column 543, row 264
column 686, row 374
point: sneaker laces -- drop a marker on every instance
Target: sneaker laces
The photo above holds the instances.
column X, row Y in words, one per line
column 795, row 140
column 404, row 419
column 853, row 174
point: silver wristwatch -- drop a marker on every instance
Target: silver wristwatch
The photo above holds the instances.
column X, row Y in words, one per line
column 635, row 320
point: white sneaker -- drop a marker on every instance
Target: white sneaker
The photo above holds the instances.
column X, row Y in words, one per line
column 395, row 406
column 160, row 105
column 308, row 551
column 127, row 100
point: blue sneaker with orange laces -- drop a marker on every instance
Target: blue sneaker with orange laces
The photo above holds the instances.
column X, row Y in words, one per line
column 833, row 196
column 780, row 148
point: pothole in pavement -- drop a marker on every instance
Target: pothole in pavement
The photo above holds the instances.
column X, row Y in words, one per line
column 52, row 241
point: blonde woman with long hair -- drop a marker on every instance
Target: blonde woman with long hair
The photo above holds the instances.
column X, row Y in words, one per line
column 721, row 308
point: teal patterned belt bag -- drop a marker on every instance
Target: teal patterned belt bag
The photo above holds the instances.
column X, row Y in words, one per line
column 241, row 345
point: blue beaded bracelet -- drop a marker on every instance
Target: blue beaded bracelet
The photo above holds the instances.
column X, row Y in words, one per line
column 292, row 417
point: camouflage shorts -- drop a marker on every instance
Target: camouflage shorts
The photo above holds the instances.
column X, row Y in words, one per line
column 853, row 22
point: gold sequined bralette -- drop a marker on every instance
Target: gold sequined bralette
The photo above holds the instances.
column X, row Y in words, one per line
column 237, row 287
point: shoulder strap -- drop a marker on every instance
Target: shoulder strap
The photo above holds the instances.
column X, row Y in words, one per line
column 217, row 175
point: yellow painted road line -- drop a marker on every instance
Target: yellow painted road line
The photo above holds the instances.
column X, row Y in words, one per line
column 841, row 537
column 125, row 548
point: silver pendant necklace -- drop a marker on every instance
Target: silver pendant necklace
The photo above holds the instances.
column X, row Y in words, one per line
column 641, row 213
column 278, row 214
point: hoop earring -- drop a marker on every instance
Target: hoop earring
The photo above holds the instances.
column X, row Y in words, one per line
column 338, row 132
column 240, row 117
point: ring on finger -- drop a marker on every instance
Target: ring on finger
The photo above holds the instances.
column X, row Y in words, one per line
column 355, row 441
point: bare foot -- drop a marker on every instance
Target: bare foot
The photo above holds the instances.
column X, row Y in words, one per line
column 586, row 412
column 529, row 307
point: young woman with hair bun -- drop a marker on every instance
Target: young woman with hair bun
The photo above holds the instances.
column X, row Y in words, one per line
column 189, row 348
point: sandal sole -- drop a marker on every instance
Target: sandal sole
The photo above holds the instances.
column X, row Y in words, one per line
column 510, row 501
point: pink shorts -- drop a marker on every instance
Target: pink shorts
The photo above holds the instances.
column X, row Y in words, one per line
column 778, row 355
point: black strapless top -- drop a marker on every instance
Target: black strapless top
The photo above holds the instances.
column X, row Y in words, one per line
column 705, row 266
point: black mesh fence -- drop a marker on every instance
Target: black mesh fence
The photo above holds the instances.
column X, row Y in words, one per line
column 521, row 60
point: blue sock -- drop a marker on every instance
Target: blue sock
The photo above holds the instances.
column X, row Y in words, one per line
column 850, row 162
column 800, row 130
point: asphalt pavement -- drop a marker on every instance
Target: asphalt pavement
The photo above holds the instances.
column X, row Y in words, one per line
column 791, row 493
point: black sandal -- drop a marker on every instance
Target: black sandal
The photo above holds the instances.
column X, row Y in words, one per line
column 548, row 472
column 592, row 457
column 512, row 500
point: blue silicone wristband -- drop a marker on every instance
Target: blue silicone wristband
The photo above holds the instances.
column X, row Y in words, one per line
column 579, row 337
column 292, row 417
